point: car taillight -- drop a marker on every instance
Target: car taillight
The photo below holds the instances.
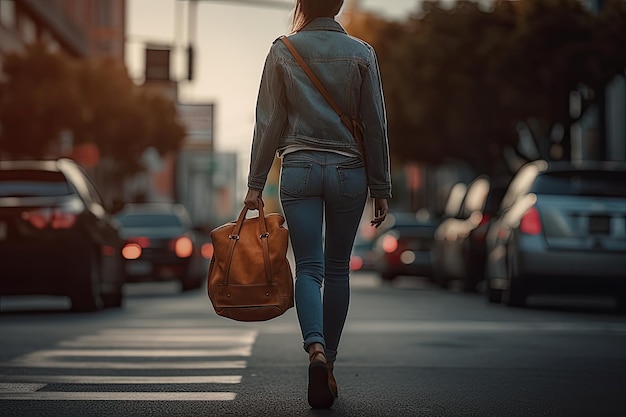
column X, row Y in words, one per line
column 485, row 219
column 356, row 263
column 390, row 244
column 55, row 218
column 131, row 251
column 183, row 247
column 207, row 250
column 531, row 223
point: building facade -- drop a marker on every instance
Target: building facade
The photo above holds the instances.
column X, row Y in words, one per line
column 80, row 28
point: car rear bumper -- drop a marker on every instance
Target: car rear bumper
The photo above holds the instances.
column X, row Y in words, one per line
column 46, row 268
column 414, row 263
column 156, row 268
column 572, row 271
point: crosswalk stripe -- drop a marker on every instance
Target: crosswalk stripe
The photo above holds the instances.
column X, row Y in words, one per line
column 130, row 380
column 157, row 365
column 139, row 353
column 159, row 339
column 133, row 349
column 118, row 396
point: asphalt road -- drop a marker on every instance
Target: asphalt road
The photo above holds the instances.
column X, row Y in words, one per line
column 409, row 349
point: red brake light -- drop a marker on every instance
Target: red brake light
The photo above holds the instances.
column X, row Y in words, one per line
column 131, row 251
column 356, row 263
column 55, row 218
column 531, row 223
column 390, row 244
column 207, row 250
column 183, row 247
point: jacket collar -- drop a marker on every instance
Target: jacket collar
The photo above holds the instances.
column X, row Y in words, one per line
column 324, row 23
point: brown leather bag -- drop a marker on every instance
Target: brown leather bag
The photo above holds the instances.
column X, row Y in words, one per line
column 250, row 277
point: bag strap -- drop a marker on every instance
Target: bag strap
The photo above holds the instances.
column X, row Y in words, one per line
column 263, row 236
column 351, row 123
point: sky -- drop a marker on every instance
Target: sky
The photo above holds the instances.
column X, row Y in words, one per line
column 232, row 41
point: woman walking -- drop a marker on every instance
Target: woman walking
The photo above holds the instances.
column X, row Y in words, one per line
column 324, row 181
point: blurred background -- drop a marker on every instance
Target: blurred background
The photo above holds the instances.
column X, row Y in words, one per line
column 154, row 100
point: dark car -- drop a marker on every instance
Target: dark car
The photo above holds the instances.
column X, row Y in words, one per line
column 452, row 235
column 459, row 246
column 403, row 245
column 162, row 245
column 561, row 229
column 56, row 237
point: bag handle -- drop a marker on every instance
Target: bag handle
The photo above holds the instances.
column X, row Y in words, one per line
column 351, row 123
column 263, row 236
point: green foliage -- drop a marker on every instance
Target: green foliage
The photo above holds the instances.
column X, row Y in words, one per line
column 459, row 80
column 44, row 93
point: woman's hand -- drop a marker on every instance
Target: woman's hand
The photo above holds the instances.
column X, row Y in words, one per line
column 252, row 199
column 381, row 207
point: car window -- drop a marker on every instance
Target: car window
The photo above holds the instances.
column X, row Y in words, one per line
column 589, row 183
column 33, row 183
column 149, row 220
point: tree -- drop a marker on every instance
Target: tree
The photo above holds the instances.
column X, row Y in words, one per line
column 459, row 81
column 37, row 101
column 45, row 93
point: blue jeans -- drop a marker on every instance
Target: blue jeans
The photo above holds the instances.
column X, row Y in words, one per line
column 322, row 189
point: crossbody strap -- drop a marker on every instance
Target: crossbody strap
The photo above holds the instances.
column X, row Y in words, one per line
column 351, row 123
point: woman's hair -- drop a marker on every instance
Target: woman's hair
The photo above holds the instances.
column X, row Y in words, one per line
column 307, row 10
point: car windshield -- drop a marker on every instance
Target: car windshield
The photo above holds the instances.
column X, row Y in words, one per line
column 33, row 183
column 584, row 183
column 149, row 220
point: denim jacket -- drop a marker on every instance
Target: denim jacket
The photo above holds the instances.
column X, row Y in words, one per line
column 291, row 111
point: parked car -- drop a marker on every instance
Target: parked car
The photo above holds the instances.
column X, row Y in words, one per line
column 474, row 247
column 161, row 245
column 459, row 246
column 362, row 257
column 561, row 229
column 450, row 246
column 403, row 245
column 56, row 237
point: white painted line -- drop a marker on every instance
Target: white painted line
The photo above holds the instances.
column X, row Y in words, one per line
column 199, row 325
column 138, row 353
column 20, row 387
column 87, row 379
column 119, row 396
column 195, row 331
column 157, row 365
column 152, row 339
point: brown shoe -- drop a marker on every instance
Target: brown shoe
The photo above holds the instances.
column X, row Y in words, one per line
column 319, row 392
column 332, row 383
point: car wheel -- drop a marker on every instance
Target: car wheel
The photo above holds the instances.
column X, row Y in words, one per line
column 190, row 284
column 494, row 295
column 88, row 297
column 470, row 283
column 113, row 300
column 441, row 280
column 388, row 276
column 621, row 303
column 516, row 294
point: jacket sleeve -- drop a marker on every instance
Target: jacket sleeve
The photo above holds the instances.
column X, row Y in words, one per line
column 376, row 141
column 270, row 121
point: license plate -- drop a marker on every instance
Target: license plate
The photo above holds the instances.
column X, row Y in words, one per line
column 600, row 225
column 3, row 230
column 138, row 268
